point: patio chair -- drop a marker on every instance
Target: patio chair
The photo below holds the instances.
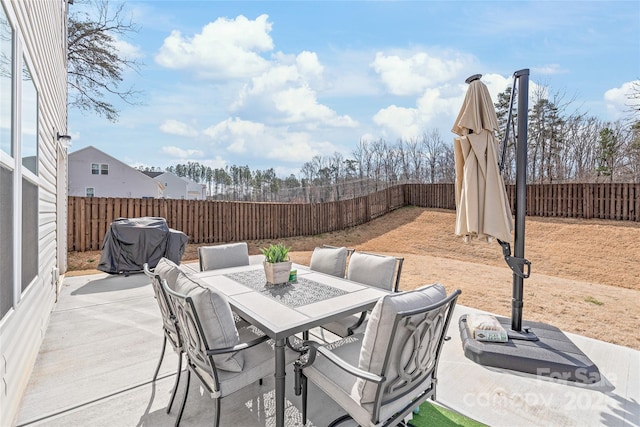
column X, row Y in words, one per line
column 223, row 256
column 330, row 260
column 224, row 358
column 380, row 376
column 166, row 270
column 382, row 271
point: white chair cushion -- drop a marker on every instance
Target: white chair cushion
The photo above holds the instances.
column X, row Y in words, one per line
column 331, row 261
column 223, row 256
column 377, row 336
column 167, row 270
column 217, row 320
column 372, row 270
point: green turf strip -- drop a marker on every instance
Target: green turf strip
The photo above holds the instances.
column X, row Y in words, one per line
column 435, row 415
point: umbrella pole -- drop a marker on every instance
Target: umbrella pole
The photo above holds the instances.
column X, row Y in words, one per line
column 518, row 262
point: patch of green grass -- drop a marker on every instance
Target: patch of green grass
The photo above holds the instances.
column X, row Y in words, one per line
column 91, row 260
column 592, row 300
column 436, row 415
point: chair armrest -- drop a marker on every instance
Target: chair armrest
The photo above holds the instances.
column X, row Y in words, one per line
column 150, row 274
column 352, row 328
column 238, row 347
column 316, row 347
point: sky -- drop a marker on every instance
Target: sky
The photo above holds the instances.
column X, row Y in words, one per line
column 273, row 84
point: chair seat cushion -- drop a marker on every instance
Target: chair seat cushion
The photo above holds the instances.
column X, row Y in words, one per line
column 341, row 387
column 331, row 261
column 218, row 324
column 377, row 334
column 341, row 326
column 335, row 382
column 258, row 363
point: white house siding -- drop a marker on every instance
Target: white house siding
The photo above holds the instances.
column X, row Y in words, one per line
column 174, row 186
column 196, row 191
column 40, row 35
column 121, row 181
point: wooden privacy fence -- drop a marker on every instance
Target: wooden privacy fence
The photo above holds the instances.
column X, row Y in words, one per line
column 224, row 221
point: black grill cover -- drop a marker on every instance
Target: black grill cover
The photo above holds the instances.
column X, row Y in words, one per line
column 130, row 242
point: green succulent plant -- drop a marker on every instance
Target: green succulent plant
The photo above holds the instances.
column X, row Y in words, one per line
column 275, row 253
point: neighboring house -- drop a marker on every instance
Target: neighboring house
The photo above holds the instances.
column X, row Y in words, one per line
column 33, row 182
column 94, row 173
column 176, row 187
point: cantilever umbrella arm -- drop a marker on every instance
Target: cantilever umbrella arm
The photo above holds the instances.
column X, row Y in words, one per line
column 519, row 266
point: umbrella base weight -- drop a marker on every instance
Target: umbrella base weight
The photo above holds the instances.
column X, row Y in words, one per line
column 551, row 355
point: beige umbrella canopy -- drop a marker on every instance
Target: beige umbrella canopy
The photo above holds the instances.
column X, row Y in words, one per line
column 482, row 207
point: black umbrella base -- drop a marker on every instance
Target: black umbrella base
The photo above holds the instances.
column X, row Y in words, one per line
column 552, row 355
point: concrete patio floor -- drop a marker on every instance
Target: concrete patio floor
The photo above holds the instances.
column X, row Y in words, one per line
column 104, row 338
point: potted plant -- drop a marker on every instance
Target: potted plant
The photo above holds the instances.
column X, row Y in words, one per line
column 276, row 263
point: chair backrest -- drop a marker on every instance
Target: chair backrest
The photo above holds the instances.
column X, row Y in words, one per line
column 206, row 322
column 330, row 260
column 223, row 256
column 402, row 343
column 382, row 271
column 165, row 270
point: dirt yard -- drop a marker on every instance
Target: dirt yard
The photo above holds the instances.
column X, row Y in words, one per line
column 585, row 274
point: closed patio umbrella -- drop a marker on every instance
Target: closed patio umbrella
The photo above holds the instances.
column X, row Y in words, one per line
column 482, row 207
column 483, row 212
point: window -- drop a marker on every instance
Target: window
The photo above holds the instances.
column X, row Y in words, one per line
column 6, row 82
column 29, row 126
column 20, row 188
column 6, row 242
column 99, row 169
column 7, row 167
column 90, row 191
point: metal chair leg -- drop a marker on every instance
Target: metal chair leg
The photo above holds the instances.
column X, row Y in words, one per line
column 177, row 383
column 164, row 346
column 303, row 381
column 216, row 421
column 184, row 399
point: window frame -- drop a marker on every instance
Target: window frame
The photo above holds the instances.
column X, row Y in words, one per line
column 93, row 191
column 22, row 262
column 104, row 168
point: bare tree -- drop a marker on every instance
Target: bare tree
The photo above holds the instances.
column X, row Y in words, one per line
column 95, row 65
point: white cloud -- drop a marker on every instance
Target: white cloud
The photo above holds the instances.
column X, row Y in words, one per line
column 235, row 133
column 181, row 153
column 175, row 127
column 285, row 93
column 549, row 69
column 257, row 140
column 127, row 50
column 436, row 108
column 411, row 74
column 400, row 121
column 301, row 106
column 224, row 49
column 617, row 100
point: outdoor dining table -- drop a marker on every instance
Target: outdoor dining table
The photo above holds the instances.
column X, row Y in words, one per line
column 281, row 311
